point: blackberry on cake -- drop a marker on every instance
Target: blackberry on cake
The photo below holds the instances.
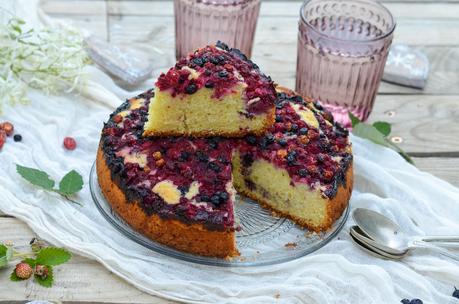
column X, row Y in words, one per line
column 215, row 90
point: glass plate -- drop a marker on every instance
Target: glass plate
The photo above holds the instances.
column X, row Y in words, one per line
column 263, row 240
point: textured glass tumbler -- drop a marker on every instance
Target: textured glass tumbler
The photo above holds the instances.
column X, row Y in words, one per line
column 202, row 22
column 342, row 50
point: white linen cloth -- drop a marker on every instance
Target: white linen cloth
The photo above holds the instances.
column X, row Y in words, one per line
column 338, row 273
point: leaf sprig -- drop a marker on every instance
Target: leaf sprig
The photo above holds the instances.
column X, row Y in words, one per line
column 70, row 184
column 45, row 258
column 377, row 133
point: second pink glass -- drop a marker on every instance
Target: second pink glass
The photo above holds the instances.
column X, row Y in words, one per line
column 342, row 50
column 202, row 22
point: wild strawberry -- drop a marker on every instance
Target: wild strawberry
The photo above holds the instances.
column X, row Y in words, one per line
column 41, row 271
column 117, row 118
column 70, row 143
column 7, row 127
column 23, row 270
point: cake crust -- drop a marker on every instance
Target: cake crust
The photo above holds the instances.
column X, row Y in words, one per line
column 191, row 238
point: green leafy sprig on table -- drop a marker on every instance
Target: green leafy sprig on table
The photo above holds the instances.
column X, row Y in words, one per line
column 377, row 133
column 70, row 184
column 48, row 59
column 39, row 259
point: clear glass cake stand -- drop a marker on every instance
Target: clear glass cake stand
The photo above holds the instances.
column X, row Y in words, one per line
column 263, row 240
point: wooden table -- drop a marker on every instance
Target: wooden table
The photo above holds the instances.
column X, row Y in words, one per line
column 426, row 121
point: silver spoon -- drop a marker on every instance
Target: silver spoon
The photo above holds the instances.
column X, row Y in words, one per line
column 388, row 236
column 361, row 240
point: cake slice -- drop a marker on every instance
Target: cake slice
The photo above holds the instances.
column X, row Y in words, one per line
column 301, row 168
column 214, row 91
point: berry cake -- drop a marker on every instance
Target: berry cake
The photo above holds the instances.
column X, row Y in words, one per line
column 214, row 91
column 180, row 191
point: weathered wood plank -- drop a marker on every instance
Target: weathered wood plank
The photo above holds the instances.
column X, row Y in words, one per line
column 287, row 9
column 425, row 124
column 80, row 280
column 90, row 16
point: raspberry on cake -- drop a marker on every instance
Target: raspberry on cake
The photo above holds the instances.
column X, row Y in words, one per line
column 214, row 91
column 301, row 168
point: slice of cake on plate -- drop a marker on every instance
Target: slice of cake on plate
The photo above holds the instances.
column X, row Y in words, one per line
column 215, row 90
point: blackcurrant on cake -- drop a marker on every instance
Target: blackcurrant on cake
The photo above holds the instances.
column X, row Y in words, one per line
column 180, row 190
column 213, row 91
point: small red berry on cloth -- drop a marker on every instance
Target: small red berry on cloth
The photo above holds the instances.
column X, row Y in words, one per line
column 70, row 143
column 2, row 138
column 23, row 270
column 7, row 127
column 41, row 271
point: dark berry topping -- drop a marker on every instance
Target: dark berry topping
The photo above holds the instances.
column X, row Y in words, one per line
column 191, row 88
column 252, row 140
column 282, row 142
column 214, row 166
column 223, row 74
column 202, row 156
column 209, row 84
column 303, row 131
column 17, row 137
column 303, row 172
column 215, row 199
column 278, row 118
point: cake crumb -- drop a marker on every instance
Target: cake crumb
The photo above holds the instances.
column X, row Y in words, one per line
column 277, row 295
column 291, row 245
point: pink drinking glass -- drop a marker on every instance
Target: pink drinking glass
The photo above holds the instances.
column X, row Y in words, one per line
column 342, row 50
column 202, row 22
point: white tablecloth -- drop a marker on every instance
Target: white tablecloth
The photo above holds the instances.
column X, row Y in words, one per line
column 337, row 273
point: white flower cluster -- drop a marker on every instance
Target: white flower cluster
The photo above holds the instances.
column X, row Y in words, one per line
column 51, row 60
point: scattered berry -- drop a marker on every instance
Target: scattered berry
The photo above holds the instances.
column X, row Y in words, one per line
column 23, row 270
column 405, row 301
column 456, row 293
column 303, row 131
column 70, row 143
column 416, row 301
column 209, row 85
column 17, row 137
column 41, row 271
column 2, row 138
column 7, row 127
column 223, row 74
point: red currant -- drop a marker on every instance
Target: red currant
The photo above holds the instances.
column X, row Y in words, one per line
column 70, row 143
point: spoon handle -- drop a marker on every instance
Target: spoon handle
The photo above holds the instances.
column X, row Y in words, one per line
column 440, row 238
column 442, row 251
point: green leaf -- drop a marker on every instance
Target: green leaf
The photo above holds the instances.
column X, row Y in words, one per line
column 383, row 127
column 402, row 153
column 14, row 277
column 371, row 133
column 354, row 119
column 36, row 177
column 30, row 261
column 6, row 252
column 48, row 281
column 53, row 256
column 71, row 183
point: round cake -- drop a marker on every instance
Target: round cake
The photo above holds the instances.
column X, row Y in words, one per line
column 180, row 191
